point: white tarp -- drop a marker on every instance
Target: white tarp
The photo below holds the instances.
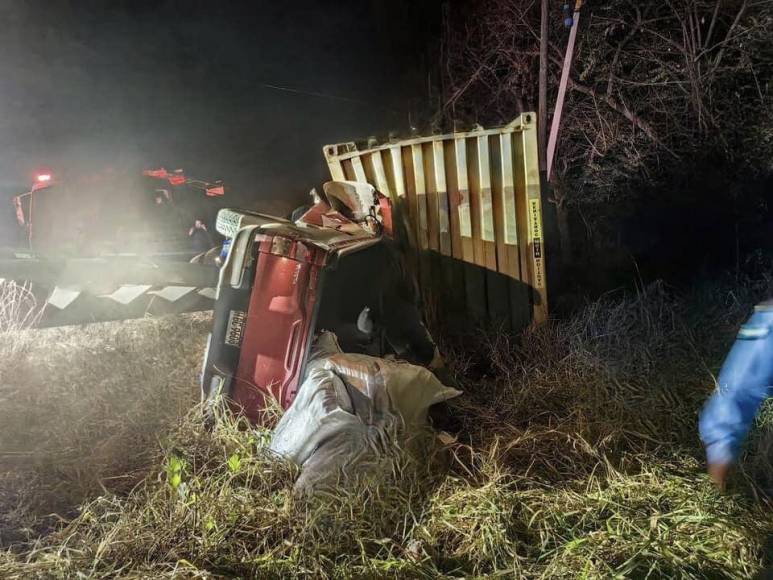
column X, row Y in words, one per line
column 352, row 411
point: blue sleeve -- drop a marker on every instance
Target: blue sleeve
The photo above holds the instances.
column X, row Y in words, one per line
column 743, row 385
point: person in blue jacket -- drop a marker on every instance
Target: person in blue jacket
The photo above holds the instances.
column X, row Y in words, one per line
column 745, row 382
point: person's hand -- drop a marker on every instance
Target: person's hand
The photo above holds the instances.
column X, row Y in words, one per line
column 718, row 473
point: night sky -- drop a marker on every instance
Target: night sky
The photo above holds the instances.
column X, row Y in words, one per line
column 91, row 84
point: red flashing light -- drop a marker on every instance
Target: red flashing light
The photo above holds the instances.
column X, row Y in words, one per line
column 43, row 177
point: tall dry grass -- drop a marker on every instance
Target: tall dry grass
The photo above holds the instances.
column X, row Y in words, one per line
column 82, row 408
column 576, row 457
column 19, row 311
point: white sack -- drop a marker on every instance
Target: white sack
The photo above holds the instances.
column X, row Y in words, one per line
column 352, row 412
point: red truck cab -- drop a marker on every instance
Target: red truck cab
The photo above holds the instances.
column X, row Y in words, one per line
column 283, row 282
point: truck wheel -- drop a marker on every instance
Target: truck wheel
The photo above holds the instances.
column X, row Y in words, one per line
column 208, row 258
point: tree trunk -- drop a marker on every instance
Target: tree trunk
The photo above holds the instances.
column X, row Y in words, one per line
column 542, row 118
column 564, row 235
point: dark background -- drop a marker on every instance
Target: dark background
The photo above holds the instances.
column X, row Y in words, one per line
column 249, row 92
column 90, row 85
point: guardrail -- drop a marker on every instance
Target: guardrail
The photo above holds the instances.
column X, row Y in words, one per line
column 114, row 287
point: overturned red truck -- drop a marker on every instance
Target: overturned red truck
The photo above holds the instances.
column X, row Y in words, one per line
column 335, row 269
column 471, row 205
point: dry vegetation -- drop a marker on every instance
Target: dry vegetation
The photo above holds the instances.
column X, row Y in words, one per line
column 81, row 408
column 659, row 93
column 577, row 456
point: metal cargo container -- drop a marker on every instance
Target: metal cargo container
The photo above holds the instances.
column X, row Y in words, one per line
column 470, row 197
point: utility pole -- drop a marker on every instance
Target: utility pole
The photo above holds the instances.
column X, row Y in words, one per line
column 542, row 113
column 552, row 141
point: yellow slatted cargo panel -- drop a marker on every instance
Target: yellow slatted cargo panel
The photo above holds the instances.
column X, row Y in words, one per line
column 470, row 196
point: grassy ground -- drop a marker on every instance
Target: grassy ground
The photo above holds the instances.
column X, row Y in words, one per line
column 82, row 408
column 576, row 456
